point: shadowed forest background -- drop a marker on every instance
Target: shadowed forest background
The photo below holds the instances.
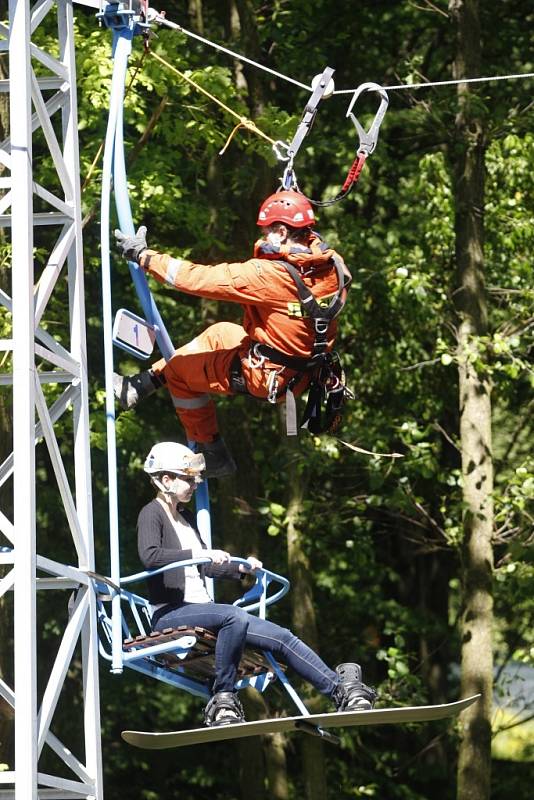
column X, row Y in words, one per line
column 419, row 568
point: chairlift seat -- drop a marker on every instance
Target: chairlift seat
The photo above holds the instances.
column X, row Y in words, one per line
column 200, row 659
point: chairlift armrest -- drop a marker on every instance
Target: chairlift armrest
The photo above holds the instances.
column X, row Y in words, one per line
column 258, row 593
column 147, row 573
column 253, row 597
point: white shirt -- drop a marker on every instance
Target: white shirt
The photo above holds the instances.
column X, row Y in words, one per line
column 194, row 589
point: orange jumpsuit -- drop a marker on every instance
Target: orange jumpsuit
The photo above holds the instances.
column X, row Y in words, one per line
column 272, row 316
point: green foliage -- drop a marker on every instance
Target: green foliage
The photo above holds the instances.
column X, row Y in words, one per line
column 382, row 537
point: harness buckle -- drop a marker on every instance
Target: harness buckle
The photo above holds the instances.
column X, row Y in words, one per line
column 369, row 138
column 321, row 326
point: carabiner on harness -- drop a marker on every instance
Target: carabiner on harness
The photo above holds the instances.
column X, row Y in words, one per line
column 366, row 140
column 272, row 385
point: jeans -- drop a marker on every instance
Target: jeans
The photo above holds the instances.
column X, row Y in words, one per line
column 236, row 628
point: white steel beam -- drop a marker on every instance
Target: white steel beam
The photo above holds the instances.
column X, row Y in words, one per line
column 82, row 458
column 6, row 527
column 61, row 475
column 51, row 740
column 42, row 335
column 61, row 665
column 52, row 200
column 5, row 202
column 41, row 218
column 44, row 83
column 23, row 403
column 50, row 136
column 54, row 412
column 64, row 570
column 28, row 304
column 44, row 377
column 52, row 105
column 7, row 582
column 39, row 12
column 67, row 364
column 82, row 789
column 52, row 270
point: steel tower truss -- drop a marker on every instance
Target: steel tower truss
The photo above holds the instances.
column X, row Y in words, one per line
column 48, row 379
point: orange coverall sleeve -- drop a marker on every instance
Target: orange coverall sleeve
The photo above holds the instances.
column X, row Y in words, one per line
column 252, row 282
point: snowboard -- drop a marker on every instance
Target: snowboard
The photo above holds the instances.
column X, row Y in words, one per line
column 312, row 724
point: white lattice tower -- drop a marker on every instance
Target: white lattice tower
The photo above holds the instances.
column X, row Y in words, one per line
column 49, row 382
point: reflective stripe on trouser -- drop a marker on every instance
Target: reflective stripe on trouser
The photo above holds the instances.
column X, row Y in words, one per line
column 198, row 369
column 202, row 367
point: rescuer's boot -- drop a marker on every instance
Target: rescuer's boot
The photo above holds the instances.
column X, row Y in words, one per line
column 219, row 461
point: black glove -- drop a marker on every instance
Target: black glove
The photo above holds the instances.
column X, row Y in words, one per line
column 132, row 246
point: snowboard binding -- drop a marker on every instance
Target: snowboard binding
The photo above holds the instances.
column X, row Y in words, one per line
column 351, row 694
column 223, row 708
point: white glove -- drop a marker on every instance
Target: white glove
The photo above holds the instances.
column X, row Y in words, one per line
column 254, row 565
column 217, row 556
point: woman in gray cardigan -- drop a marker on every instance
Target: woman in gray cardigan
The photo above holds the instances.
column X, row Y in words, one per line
column 167, row 533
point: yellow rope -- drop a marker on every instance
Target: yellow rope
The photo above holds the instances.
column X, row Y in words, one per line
column 243, row 122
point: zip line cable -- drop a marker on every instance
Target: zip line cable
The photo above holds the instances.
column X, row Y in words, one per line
column 454, row 82
column 160, row 19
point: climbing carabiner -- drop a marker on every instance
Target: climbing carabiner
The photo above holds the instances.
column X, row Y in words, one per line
column 369, row 138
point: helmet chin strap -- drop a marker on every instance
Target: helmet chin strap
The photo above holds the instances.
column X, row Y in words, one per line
column 170, row 491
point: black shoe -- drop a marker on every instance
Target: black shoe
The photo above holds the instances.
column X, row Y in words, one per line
column 131, row 389
column 351, row 694
column 223, row 708
column 219, row 461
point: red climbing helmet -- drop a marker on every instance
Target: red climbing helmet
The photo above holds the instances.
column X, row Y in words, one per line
column 289, row 207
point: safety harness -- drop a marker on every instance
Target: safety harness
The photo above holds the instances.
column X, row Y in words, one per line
column 327, row 384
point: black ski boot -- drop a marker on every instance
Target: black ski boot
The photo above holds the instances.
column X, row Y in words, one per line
column 219, row 461
column 223, row 708
column 351, row 694
column 131, row 389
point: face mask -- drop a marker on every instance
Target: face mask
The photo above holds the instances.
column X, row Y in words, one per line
column 274, row 239
column 173, row 488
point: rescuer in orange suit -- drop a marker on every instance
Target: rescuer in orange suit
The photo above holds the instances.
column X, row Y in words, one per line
column 272, row 346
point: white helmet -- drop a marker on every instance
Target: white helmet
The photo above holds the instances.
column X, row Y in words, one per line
column 176, row 459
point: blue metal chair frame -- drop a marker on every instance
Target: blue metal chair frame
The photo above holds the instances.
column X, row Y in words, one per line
column 143, row 659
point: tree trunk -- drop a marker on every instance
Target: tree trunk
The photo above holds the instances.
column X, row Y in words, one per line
column 475, row 415
column 194, row 12
column 303, row 617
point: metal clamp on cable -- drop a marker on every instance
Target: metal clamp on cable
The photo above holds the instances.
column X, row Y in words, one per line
column 323, row 86
column 126, row 14
column 369, row 138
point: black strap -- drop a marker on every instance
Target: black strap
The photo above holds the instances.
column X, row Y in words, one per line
column 284, row 360
column 237, row 380
column 320, row 316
